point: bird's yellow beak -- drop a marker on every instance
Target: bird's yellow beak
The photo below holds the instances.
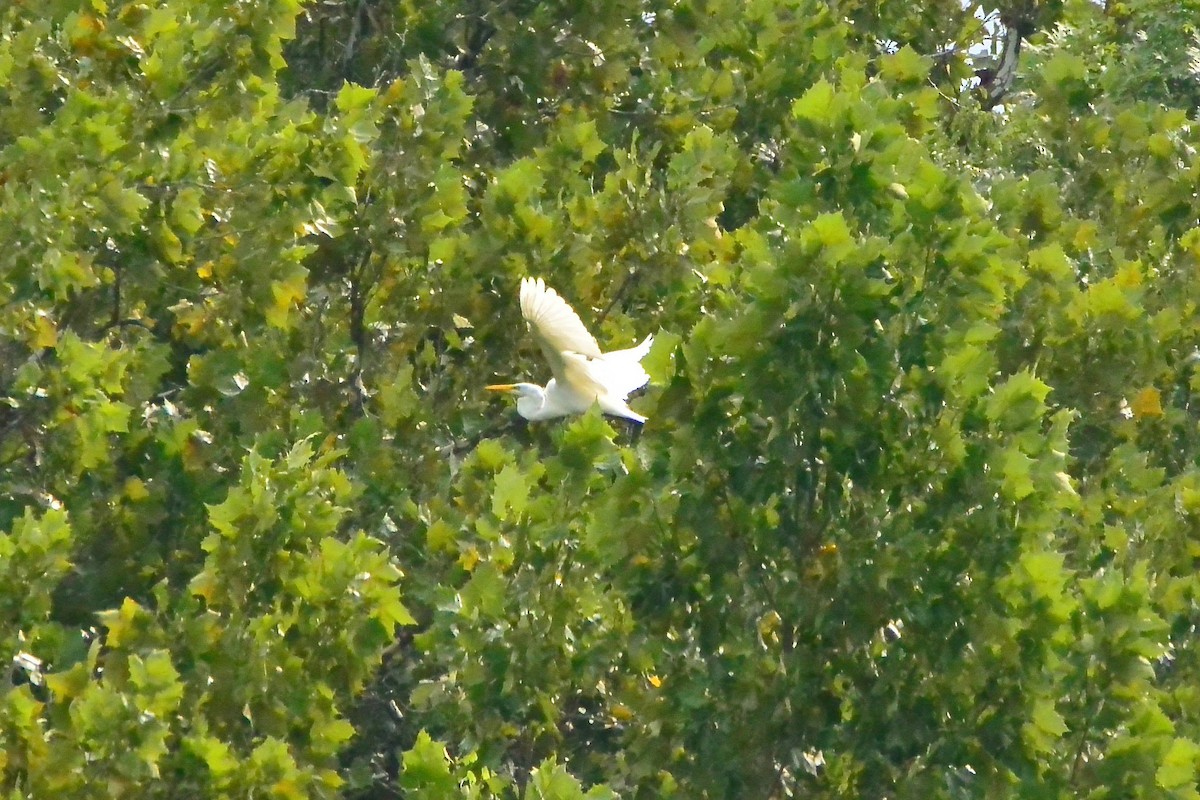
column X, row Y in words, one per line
column 501, row 387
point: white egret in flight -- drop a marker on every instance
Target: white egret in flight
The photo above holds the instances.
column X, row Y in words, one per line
column 582, row 374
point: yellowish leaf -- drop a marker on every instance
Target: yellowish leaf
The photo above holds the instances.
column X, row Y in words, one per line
column 1148, row 403
column 468, row 559
column 285, row 295
column 1130, row 276
column 1085, row 235
column 45, row 334
column 135, row 489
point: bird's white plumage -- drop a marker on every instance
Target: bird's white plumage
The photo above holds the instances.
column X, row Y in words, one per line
column 583, row 375
column 555, row 325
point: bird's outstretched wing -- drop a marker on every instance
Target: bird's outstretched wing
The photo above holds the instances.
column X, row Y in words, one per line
column 555, row 325
column 620, row 371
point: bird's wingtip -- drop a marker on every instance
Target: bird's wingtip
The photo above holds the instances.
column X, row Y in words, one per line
column 531, row 290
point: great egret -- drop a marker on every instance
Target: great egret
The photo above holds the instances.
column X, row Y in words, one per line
column 582, row 374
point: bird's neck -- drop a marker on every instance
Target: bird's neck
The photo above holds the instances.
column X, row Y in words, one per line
column 539, row 407
column 531, row 406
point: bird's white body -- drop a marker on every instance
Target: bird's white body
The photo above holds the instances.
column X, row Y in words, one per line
column 583, row 375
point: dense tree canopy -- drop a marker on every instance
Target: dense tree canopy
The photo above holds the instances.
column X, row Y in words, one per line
column 917, row 510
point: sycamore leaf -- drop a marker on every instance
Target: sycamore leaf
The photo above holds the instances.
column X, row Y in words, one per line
column 440, row 537
column 286, row 294
column 124, row 623
column 816, row 105
column 1019, row 400
column 1052, row 261
column 70, row 683
column 427, row 769
column 1109, row 297
column 483, row 595
column 1178, row 768
column 906, row 64
column 521, row 181
column 1047, row 719
column 135, row 489
column 352, row 97
column 186, row 211
column 551, row 781
column 394, row 613
column 335, row 731
column 491, row 455
column 1147, row 403
column 215, row 753
column 1016, row 470
column 511, row 493
column 585, row 138
column 659, row 363
column 1045, row 572
column 831, row 230
column 1064, row 67
column 45, row 334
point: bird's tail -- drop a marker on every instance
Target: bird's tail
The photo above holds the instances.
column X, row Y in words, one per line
column 619, row 409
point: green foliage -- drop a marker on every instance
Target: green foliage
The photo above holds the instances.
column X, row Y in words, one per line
column 914, row 513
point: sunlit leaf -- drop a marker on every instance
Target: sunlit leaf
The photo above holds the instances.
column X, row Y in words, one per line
column 1147, row 403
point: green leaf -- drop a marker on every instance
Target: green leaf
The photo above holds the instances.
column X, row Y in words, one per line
column 70, row 683
column 483, row 595
column 396, row 399
column 186, row 211
column 1045, row 573
column 1178, row 767
column 586, row 139
column 216, row 754
column 659, row 363
column 1109, row 297
column 392, row 612
column 831, row 230
column 124, row 624
column 491, row 455
column 1016, row 468
column 63, row 272
column 1051, row 260
column 1047, row 719
column 426, row 770
column 352, row 97
column 1018, row 401
column 441, row 537
column 817, row 104
column 521, row 182
column 586, row 440
column 550, row 781
column 511, row 492
column 333, row 731
column 1063, row 68
column 967, row 370
column 156, row 681
column 905, row 65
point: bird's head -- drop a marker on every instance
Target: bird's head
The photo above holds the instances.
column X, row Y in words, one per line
column 530, row 396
